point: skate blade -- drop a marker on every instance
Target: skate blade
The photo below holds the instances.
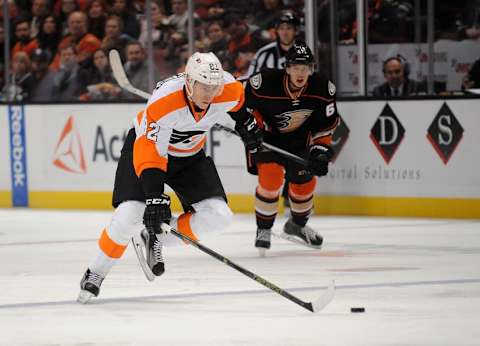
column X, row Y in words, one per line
column 295, row 240
column 262, row 251
column 84, row 297
column 139, row 248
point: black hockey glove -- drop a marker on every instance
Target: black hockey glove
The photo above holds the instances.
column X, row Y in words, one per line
column 250, row 133
column 157, row 211
column 319, row 158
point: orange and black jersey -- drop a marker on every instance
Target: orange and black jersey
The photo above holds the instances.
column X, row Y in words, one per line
column 292, row 121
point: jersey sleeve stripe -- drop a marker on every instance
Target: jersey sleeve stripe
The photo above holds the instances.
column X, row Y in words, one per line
column 145, row 156
column 318, row 97
column 166, row 105
column 232, row 92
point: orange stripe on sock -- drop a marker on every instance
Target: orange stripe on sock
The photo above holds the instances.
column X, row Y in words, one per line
column 184, row 226
column 109, row 247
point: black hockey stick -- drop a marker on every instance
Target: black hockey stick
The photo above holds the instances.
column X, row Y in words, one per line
column 315, row 306
column 285, row 153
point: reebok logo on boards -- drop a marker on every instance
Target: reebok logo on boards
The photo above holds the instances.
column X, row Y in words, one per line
column 18, row 156
column 69, row 154
column 444, row 133
column 387, row 133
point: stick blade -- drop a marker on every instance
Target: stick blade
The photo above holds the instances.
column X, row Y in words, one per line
column 325, row 298
column 117, row 68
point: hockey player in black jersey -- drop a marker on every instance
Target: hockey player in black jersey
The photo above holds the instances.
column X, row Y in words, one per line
column 298, row 113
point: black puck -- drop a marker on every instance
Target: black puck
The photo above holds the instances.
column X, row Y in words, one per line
column 357, row 309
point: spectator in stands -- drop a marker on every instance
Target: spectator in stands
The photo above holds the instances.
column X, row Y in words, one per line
column 242, row 61
column 216, row 39
column 66, row 86
column 49, row 36
column 125, row 10
column 67, row 8
column 2, row 57
column 240, row 36
column 164, row 64
column 272, row 55
column 396, row 71
column 97, row 16
column 114, row 36
column 97, row 82
column 470, row 26
column 85, row 43
column 472, row 78
column 40, row 9
column 178, row 20
column 159, row 24
column 136, row 69
column 390, row 21
column 21, row 79
column 22, row 36
column 267, row 13
column 43, row 76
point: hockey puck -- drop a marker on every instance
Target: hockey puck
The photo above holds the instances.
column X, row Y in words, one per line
column 357, row 309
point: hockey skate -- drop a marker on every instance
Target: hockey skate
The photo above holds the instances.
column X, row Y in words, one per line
column 301, row 235
column 154, row 252
column 89, row 286
column 262, row 240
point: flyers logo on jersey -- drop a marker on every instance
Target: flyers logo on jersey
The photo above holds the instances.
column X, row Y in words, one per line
column 69, row 150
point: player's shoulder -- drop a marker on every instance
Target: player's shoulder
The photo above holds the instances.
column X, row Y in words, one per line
column 266, row 79
column 168, row 86
column 167, row 96
column 321, row 87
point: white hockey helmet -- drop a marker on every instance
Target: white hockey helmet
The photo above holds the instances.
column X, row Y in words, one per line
column 204, row 68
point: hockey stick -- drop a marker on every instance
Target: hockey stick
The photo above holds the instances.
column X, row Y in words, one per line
column 121, row 77
column 285, row 153
column 124, row 83
column 315, row 306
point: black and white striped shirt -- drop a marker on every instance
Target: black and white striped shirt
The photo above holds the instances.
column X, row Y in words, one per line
column 271, row 55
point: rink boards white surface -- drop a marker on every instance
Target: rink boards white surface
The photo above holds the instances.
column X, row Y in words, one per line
column 418, row 279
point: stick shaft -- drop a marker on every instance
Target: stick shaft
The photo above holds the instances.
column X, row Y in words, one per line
column 246, row 272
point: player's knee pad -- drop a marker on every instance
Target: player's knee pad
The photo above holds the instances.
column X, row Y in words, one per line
column 212, row 214
column 127, row 219
column 270, row 177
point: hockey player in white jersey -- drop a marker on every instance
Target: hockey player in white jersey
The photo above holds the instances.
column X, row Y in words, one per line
column 166, row 147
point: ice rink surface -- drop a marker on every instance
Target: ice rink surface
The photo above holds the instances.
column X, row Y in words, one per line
column 418, row 279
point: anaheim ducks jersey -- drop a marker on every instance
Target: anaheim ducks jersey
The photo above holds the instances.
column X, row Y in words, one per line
column 170, row 125
column 292, row 121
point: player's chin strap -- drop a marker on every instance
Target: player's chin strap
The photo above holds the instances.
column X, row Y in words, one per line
column 124, row 83
column 314, row 306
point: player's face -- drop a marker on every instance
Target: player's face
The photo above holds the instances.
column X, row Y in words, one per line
column 203, row 94
column 298, row 74
column 286, row 33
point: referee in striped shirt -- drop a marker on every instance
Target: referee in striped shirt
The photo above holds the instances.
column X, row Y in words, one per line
column 272, row 55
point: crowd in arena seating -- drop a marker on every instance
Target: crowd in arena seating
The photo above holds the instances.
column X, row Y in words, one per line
column 59, row 48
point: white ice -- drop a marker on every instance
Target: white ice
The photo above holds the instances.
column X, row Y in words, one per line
column 418, row 279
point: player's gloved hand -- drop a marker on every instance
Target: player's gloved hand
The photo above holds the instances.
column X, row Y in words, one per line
column 319, row 158
column 157, row 211
column 250, row 133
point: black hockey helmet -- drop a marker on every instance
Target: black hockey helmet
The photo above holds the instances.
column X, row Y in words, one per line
column 299, row 54
column 288, row 17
